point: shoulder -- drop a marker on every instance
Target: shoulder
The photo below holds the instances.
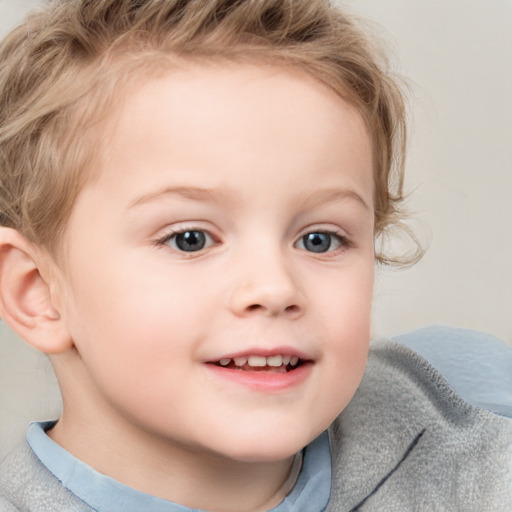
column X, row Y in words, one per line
column 409, row 441
column 25, row 484
column 477, row 366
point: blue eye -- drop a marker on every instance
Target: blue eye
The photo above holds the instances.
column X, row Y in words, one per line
column 320, row 242
column 191, row 240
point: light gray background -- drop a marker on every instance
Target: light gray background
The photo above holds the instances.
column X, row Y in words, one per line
column 457, row 55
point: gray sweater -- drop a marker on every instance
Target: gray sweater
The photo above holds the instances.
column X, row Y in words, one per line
column 406, row 442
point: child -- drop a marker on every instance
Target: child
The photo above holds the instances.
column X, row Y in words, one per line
column 190, row 197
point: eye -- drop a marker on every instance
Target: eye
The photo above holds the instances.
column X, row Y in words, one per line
column 190, row 240
column 320, row 242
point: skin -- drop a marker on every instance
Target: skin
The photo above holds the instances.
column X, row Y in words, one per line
column 256, row 158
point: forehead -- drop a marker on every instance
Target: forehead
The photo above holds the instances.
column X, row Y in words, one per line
column 212, row 107
column 221, row 125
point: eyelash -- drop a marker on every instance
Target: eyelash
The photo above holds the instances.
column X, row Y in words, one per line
column 343, row 241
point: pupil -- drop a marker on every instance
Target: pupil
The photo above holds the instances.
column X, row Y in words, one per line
column 317, row 242
column 191, row 241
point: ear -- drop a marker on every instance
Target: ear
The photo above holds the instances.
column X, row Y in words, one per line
column 25, row 295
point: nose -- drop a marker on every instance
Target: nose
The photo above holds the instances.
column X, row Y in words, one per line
column 267, row 285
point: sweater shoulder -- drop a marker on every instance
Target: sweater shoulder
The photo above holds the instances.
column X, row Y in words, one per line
column 477, row 365
column 26, row 484
column 409, row 441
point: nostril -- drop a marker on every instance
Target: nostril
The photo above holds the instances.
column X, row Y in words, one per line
column 288, row 309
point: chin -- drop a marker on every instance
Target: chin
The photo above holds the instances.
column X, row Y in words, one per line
column 267, row 448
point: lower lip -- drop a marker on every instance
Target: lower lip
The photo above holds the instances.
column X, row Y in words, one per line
column 264, row 381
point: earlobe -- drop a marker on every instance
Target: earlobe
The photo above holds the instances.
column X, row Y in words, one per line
column 25, row 298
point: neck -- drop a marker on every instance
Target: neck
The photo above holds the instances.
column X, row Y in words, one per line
column 175, row 473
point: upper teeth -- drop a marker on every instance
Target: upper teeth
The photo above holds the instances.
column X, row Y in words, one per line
column 257, row 361
column 260, row 361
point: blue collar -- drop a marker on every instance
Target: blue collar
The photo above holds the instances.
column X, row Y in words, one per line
column 104, row 494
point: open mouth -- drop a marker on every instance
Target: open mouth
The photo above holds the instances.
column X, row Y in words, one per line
column 254, row 363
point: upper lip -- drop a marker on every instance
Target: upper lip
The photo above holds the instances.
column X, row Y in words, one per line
column 264, row 352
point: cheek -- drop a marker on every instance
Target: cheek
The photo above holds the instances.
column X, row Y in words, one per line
column 141, row 320
column 346, row 318
column 347, row 299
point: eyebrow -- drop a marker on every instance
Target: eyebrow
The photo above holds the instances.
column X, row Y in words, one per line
column 329, row 195
column 192, row 193
column 214, row 195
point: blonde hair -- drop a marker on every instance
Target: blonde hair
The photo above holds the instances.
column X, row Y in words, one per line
column 64, row 68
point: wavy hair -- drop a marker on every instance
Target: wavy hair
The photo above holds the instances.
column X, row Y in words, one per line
column 65, row 68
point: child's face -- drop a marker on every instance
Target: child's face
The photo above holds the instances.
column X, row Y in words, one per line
column 232, row 221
